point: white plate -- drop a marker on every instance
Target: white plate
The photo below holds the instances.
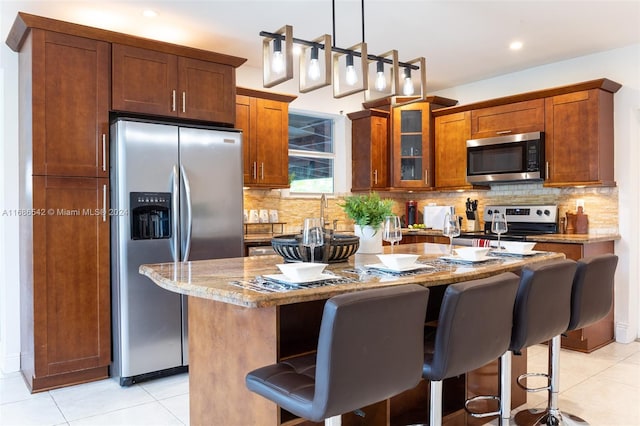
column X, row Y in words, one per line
column 284, row 279
column 383, row 267
column 516, row 253
column 463, row 260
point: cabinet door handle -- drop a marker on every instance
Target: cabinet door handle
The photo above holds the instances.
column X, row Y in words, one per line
column 261, row 171
column 184, row 101
column 375, row 177
column 546, row 170
column 104, row 152
column 173, row 100
column 426, row 176
column 255, row 170
column 503, row 132
column 104, row 203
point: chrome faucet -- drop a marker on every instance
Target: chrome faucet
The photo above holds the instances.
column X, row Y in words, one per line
column 323, row 204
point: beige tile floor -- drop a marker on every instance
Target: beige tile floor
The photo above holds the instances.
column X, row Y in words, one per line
column 602, row 387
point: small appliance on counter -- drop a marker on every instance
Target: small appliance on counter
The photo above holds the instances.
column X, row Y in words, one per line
column 434, row 215
column 411, row 213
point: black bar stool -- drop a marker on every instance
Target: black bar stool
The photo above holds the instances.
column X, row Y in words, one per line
column 474, row 328
column 541, row 313
column 591, row 300
column 370, row 348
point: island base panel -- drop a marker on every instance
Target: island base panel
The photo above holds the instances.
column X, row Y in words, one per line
column 225, row 343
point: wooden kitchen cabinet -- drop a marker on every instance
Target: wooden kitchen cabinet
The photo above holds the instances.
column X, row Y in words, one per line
column 158, row 83
column 595, row 335
column 369, row 150
column 579, row 138
column 264, row 120
column 69, row 87
column 452, row 132
column 513, row 118
column 70, row 307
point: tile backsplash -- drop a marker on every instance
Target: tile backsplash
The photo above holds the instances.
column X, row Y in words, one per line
column 600, row 204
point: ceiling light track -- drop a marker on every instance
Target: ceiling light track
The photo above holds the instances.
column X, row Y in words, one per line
column 339, row 66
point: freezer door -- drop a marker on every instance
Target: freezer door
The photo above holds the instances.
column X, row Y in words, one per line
column 147, row 318
column 211, row 193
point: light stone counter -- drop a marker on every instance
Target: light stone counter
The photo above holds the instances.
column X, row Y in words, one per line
column 210, row 279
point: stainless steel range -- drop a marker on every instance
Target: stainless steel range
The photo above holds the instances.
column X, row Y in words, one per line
column 522, row 221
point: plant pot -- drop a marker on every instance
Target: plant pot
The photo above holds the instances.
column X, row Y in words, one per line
column 370, row 239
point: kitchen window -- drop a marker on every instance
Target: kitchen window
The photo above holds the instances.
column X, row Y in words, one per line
column 312, row 152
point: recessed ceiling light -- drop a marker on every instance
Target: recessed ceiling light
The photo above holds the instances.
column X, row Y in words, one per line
column 148, row 13
column 515, row 45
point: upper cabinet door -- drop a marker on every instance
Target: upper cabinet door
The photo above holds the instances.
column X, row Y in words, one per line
column 206, row 91
column 144, row 81
column 150, row 82
column 70, row 105
column 412, row 153
column 452, row 132
column 513, row 118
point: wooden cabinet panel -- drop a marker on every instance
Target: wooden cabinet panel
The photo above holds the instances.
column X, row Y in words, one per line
column 70, row 105
column 265, row 137
column 71, row 303
column 369, row 150
column 144, row 81
column 518, row 117
column 579, row 138
column 150, row 82
column 452, row 132
column 207, row 90
column 412, row 146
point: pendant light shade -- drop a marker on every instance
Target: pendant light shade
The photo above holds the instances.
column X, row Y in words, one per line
column 350, row 71
column 315, row 64
column 413, row 84
column 277, row 57
column 383, row 76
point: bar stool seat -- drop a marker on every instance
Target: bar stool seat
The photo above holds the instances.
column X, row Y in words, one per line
column 370, row 348
column 474, row 328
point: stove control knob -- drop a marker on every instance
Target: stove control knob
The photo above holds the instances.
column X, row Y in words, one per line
column 490, row 212
column 539, row 212
column 547, row 213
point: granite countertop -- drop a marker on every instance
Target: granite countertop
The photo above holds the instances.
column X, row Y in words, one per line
column 573, row 238
column 222, row 279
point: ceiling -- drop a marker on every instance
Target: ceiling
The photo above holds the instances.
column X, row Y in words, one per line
column 462, row 41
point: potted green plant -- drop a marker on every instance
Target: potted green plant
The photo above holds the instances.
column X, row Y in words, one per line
column 368, row 212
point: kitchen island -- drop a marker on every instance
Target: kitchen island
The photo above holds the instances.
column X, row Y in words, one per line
column 236, row 324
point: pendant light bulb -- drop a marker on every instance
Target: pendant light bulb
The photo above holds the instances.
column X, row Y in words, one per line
column 314, row 65
column 277, row 59
column 407, row 87
column 381, row 81
column 351, row 77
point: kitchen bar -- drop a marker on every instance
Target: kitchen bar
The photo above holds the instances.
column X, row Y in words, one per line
column 234, row 329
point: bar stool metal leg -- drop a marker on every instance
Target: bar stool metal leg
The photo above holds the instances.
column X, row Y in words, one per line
column 435, row 403
column 333, row 421
column 505, row 388
column 552, row 415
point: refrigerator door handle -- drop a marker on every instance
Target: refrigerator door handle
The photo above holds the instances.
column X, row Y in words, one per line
column 189, row 218
column 175, row 208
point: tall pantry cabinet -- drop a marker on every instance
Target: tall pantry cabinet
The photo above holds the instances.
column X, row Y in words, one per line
column 65, row 87
column 64, row 108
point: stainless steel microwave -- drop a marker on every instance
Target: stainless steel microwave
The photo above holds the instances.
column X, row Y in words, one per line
column 518, row 157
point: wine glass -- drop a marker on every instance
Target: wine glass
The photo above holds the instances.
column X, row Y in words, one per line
column 312, row 235
column 451, row 228
column 499, row 225
column 392, row 232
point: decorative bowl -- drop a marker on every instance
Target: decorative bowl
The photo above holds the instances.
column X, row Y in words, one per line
column 398, row 261
column 301, row 271
column 517, row 246
column 337, row 248
column 472, row 253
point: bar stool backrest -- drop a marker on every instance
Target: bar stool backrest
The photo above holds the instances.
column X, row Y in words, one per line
column 370, row 347
column 543, row 303
column 474, row 326
column 592, row 292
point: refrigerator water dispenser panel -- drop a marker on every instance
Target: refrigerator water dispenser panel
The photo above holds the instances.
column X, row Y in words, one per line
column 150, row 215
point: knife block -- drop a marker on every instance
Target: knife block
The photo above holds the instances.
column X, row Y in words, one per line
column 473, row 225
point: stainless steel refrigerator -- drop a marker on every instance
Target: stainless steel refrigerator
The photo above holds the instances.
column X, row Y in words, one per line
column 176, row 195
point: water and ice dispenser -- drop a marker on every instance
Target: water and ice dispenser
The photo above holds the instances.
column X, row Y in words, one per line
column 150, row 215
